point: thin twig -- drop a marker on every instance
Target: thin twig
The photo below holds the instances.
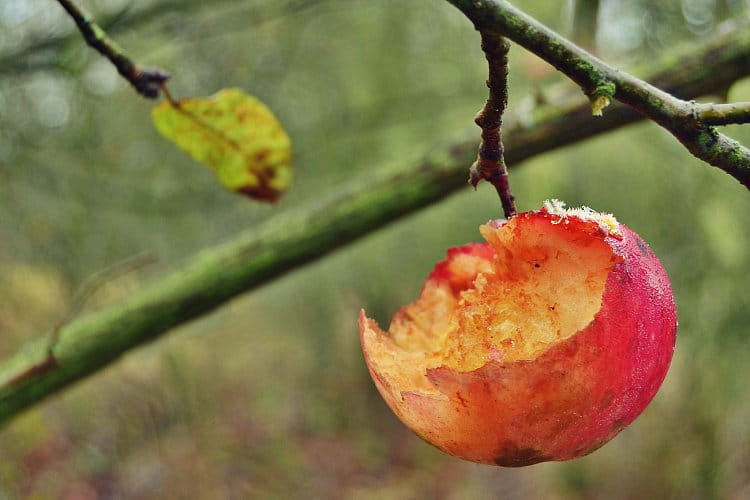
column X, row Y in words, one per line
column 87, row 289
column 146, row 81
column 601, row 82
column 490, row 162
column 91, row 285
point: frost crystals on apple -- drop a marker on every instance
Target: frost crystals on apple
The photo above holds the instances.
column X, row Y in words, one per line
column 606, row 222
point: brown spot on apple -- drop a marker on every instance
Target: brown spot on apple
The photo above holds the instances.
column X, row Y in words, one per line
column 511, row 455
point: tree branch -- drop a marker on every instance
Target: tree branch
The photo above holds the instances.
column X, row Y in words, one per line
column 723, row 114
column 147, row 82
column 490, row 162
column 600, row 82
column 289, row 241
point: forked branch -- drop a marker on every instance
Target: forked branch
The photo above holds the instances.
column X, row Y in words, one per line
column 691, row 124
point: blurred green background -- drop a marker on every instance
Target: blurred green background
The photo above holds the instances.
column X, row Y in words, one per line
column 269, row 397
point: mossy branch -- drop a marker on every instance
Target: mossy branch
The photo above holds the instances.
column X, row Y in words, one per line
column 601, row 82
column 286, row 242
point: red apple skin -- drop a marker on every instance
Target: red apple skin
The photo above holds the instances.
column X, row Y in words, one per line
column 575, row 396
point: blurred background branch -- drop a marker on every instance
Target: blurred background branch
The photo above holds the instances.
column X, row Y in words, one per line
column 290, row 240
column 43, row 53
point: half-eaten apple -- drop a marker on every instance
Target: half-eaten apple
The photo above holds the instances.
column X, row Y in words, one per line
column 541, row 344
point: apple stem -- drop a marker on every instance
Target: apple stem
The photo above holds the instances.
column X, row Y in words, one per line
column 490, row 163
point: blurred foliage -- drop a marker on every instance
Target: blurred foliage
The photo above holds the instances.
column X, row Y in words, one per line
column 269, row 397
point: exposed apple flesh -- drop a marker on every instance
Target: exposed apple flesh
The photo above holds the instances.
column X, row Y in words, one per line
column 541, row 344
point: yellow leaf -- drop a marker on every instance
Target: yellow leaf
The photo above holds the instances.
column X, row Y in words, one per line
column 236, row 135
